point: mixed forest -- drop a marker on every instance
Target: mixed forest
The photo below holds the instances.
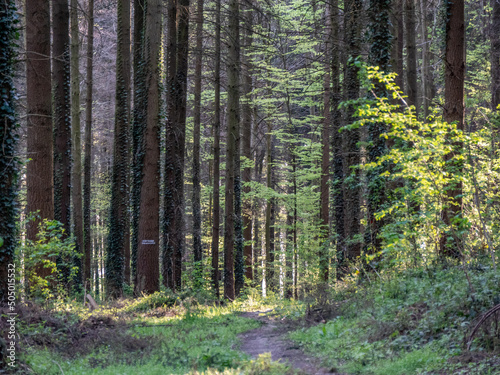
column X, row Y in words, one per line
column 176, row 173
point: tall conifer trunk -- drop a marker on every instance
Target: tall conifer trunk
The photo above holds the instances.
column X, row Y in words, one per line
column 324, row 260
column 118, row 220
column 411, row 54
column 453, row 112
column 138, row 125
column 351, row 138
column 88, row 146
column 380, row 52
column 397, row 42
column 216, row 152
column 232, row 192
column 40, row 169
column 169, row 223
column 62, row 113
column 76, row 177
column 147, row 280
column 426, row 60
column 196, row 145
column 246, row 151
column 173, row 221
column 338, row 173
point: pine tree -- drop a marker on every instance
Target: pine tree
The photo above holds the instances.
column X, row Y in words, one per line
column 411, row 54
column 177, row 66
column 216, row 153
column 197, row 249
column 232, row 231
column 88, row 147
column 351, row 138
column 147, row 280
column 76, row 177
column 138, row 125
column 380, row 54
column 118, row 220
column 40, row 169
column 453, row 112
column 62, row 113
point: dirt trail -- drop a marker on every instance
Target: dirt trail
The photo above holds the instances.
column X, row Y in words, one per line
column 270, row 337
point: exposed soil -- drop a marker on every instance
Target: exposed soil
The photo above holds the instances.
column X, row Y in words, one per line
column 270, row 337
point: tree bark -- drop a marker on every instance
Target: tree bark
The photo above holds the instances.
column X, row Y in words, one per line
column 232, row 153
column 169, row 218
column 196, row 147
column 40, row 169
column 380, row 52
column 76, row 136
column 138, row 126
column 62, row 113
column 324, row 259
column 351, row 138
column 426, row 60
column 269, row 227
column 246, row 122
column 411, row 54
column 148, row 277
column 178, row 23
column 338, row 173
column 118, row 220
column 88, row 146
column 453, row 112
column 216, row 152
column 398, row 43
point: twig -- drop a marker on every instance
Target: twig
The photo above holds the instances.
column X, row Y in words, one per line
column 58, row 366
column 483, row 318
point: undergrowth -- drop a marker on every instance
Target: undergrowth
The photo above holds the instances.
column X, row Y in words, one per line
column 414, row 322
column 161, row 333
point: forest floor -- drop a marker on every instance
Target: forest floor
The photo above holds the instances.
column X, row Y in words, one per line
column 418, row 322
column 272, row 337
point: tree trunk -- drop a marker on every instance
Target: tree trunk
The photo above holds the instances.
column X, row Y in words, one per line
column 148, row 277
column 40, row 169
column 138, row 126
column 88, row 145
column 397, row 42
column 495, row 54
column 169, row 223
column 351, row 138
column 178, row 23
column 411, row 54
column 453, row 112
column 232, row 153
column 338, row 173
column 426, row 60
column 324, row 259
column 269, row 264
column 76, row 136
column 379, row 55
column 246, row 122
column 196, row 147
column 118, row 220
column 62, row 113
column 8, row 161
column 216, row 151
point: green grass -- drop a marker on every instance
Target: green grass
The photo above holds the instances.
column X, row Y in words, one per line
column 166, row 336
column 408, row 323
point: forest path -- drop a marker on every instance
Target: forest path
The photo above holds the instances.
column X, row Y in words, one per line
column 270, row 337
